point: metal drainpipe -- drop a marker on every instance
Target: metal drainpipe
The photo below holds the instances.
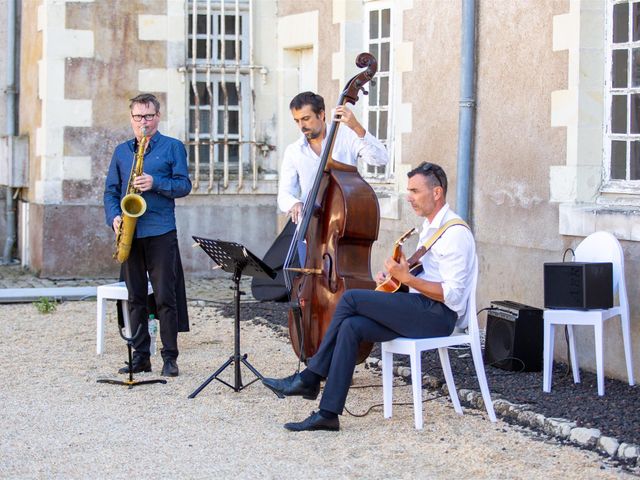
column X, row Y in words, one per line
column 467, row 107
column 11, row 130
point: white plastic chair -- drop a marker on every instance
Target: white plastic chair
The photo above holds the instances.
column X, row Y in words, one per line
column 415, row 346
column 113, row 291
column 597, row 247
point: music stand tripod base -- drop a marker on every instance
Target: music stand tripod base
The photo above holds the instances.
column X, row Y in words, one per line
column 130, row 382
column 234, row 258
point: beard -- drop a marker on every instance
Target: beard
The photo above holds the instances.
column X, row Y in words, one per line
column 311, row 135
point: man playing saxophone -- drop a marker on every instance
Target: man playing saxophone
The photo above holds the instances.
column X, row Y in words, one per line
column 154, row 248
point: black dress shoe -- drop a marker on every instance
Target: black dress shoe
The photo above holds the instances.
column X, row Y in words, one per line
column 170, row 368
column 140, row 364
column 315, row 421
column 292, row 386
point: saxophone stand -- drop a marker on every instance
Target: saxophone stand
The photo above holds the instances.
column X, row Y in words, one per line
column 234, row 258
column 130, row 383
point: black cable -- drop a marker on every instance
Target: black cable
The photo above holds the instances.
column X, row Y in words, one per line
column 569, row 250
column 382, row 404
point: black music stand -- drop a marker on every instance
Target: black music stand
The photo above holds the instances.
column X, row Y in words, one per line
column 131, row 382
column 234, row 258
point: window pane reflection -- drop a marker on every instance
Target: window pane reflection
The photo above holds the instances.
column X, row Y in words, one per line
column 619, row 114
column 230, row 24
column 201, row 49
column 635, row 67
column 373, row 93
column 635, row 21
column 634, row 161
column 386, row 23
column 373, row 24
column 232, row 152
column 373, row 123
column 229, row 50
column 384, row 91
column 384, row 56
column 618, row 160
column 203, row 94
column 232, row 94
column 621, row 23
column 635, row 113
column 619, row 69
column 374, row 50
column 382, row 131
column 233, row 122
column 204, row 120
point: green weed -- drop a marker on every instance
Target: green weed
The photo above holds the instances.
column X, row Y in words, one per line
column 45, row 305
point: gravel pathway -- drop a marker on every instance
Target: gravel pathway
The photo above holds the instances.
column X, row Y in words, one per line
column 57, row 422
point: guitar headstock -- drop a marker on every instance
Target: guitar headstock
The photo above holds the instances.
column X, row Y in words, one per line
column 406, row 235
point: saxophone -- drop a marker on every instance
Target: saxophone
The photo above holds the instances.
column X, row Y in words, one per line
column 132, row 205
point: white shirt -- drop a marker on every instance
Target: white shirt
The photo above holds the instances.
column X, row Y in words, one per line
column 450, row 261
column 300, row 163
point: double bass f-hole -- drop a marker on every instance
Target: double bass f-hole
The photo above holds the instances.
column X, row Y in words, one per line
column 330, row 272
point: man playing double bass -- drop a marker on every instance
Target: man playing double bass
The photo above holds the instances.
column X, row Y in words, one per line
column 302, row 158
column 435, row 304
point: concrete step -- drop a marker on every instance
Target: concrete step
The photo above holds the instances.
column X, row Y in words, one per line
column 24, row 295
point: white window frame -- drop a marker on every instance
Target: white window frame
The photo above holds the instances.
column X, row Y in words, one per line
column 215, row 70
column 609, row 185
column 213, row 118
column 387, row 175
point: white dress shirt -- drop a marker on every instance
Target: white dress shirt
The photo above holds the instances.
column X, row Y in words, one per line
column 450, row 261
column 300, row 163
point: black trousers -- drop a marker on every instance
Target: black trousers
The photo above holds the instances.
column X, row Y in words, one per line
column 366, row 315
column 157, row 257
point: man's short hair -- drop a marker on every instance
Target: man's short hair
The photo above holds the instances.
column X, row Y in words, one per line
column 145, row 99
column 308, row 98
column 434, row 174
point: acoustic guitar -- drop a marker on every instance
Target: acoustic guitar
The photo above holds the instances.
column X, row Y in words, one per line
column 391, row 284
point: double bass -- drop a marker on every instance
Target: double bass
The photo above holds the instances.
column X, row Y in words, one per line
column 339, row 224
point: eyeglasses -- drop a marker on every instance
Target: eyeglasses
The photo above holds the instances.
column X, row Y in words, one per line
column 434, row 170
column 148, row 117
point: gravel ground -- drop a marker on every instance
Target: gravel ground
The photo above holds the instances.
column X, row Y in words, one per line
column 577, row 402
column 57, row 422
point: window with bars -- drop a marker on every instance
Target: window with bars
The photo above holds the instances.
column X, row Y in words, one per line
column 220, row 107
column 378, row 123
column 622, row 142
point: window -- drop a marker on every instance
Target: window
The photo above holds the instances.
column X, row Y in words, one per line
column 378, row 123
column 220, row 107
column 622, row 142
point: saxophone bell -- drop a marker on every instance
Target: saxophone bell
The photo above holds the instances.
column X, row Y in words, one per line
column 132, row 205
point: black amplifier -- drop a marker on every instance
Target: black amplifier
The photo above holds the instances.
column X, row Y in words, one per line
column 579, row 286
column 514, row 337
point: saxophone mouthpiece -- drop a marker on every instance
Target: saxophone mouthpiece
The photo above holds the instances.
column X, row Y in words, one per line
column 144, row 131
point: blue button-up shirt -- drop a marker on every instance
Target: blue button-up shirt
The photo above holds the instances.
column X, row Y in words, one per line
column 166, row 161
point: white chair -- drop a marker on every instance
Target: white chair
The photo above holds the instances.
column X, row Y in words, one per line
column 597, row 247
column 113, row 291
column 415, row 346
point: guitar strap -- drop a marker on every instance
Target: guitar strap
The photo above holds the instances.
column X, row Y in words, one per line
column 426, row 246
